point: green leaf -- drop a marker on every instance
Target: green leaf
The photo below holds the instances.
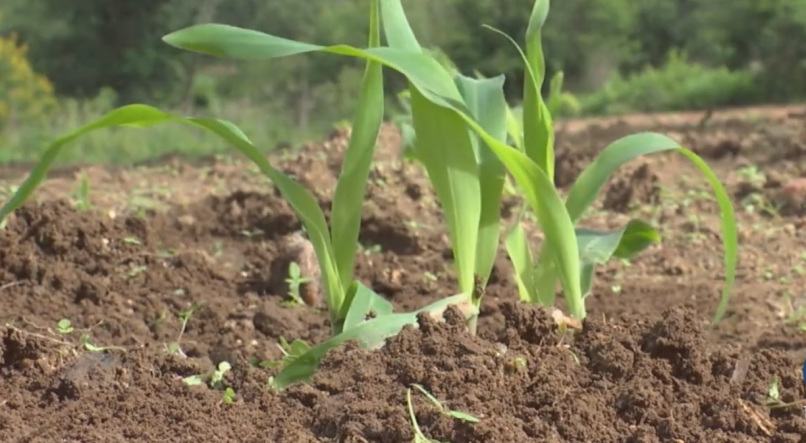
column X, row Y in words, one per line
column 538, row 132
column 597, row 247
column 534, row 44
column 364, row 302
column 140, row 116
column 586, row 188
column 291, row 350
column 348, row 198
column 555, row 99
column 539, row 192
column 521, row 256
column 485, row 100
column 514, row 127
column 396, row 26
column 444, row 147
column 425, row 73
column 537, row 126
column 546, row 276
column 591, row 181
column 370, row 334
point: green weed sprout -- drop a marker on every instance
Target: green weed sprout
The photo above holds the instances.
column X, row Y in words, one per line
column 295, row 281
column 461, row 139
column 458, row 415
column 175, row 347
column 82, row 194
column 419, row 436
column 64, row 327
column 214, row 378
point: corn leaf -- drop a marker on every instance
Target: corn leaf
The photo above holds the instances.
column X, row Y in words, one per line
column 348, row 198
column 435, row 84
column 444, row 147
column 538, row 134
column 425, row 73
column 555, row 99
column 586, row 188
column 597, row 247
column 485, row 100
column 364, row 302
column 543, row 198
column 522, row 263
column 140, row 116
column 370, row 334
column 396, row 27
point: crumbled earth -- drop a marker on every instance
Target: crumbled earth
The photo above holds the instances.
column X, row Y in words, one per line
column 211, row 237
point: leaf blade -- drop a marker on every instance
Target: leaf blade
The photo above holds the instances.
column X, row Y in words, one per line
column 445, row 149
column 351, row 186
column 590, row 182
column 485, row 100
column 369, row 335
column 141, row 116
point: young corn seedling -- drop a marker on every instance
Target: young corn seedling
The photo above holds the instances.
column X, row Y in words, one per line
column 349, row 303
column 335, row 245
column 569, row 253
column 461, row 131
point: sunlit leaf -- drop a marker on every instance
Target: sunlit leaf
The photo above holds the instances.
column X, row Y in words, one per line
column 485, row 100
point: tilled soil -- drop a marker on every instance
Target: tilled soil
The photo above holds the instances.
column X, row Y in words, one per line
column 646, row 367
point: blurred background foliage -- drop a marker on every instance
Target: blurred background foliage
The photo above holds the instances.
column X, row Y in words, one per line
column 63, row 62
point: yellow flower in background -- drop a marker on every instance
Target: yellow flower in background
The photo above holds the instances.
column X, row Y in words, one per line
column 24, row 94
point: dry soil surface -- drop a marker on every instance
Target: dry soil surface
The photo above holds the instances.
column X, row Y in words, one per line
column 165, row 238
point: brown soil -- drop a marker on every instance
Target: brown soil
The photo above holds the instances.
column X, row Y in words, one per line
column 646, row 367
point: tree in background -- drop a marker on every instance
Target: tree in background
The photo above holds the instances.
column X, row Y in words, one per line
column 83, row 46
column 603, row 47
column 24, row 94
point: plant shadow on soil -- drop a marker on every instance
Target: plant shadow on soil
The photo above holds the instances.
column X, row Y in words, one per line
column 646, row 368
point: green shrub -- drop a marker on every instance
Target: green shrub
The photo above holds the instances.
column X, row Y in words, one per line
column 678, row 85
column 24, row 94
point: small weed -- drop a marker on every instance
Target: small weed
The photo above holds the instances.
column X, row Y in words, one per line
column 64, row 327
column 253, row 233
column 516, row 365
column 229, row 395
column 419, row 437
column 214, row 379
column 295, row 280
column 136, row 270
column 291, row 351
column 218, row 249
column 372, row 249
column 82, row 195
column 132, row 241
column 184, row 317
column 463, row 416
column 774, row 397
column 85, row 342
column 752, row 174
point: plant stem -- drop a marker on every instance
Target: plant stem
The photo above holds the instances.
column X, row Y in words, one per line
column 473, row 324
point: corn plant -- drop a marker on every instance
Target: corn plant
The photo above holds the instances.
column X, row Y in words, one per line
column 461, row 139
column 336, row 244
